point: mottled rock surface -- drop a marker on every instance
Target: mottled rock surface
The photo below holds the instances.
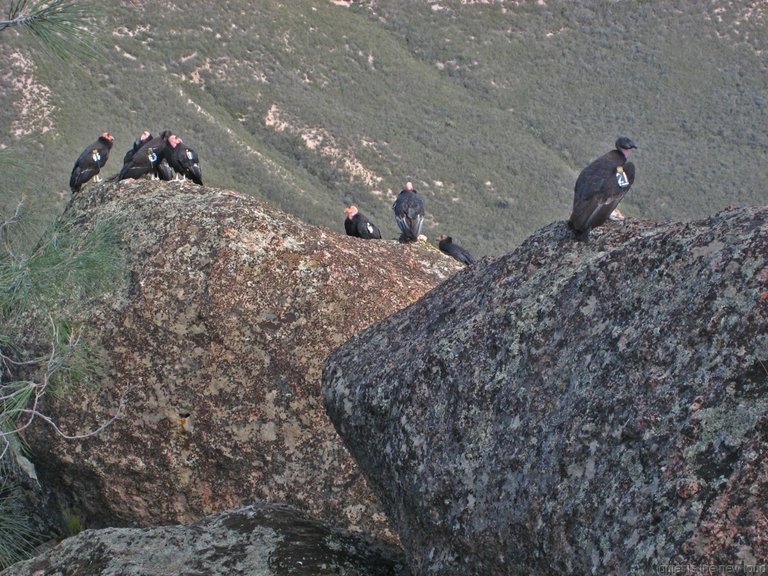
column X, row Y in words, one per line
column 257, row 540
column 574, row 408
column 218, row 336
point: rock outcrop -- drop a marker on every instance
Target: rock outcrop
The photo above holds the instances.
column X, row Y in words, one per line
column 217, row 338
column 574, row 408
column 263, row 540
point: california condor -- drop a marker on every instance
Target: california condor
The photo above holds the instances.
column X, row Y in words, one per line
column 184, row 160
column 600, row 187
column 447, row 246
column 146, row 160
column 90, row 162
column 145, row 137
column 409, row 213
column 357, row 224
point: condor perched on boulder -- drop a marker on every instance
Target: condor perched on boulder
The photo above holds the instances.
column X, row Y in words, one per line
column 447, row 246
column 409, row 213
column 184, row 160
column 600, row 187
column 90, row 162
column 357, row 224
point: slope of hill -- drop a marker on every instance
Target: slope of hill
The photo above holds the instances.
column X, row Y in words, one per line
column 491, row 108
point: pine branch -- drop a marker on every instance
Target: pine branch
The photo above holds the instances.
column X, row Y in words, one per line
column 57, row 24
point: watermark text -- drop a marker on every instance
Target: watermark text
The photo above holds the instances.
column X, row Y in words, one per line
column 713, row 569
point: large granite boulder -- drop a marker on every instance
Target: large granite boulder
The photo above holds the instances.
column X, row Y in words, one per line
column 217, row 338
column 257, row 540
column 574, row 408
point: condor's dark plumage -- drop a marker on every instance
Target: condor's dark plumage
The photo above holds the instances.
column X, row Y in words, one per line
column 90, row 162
column 184, row 160
column 447, row 246
column 164, row 171
column 147, row 158
column 600, row 187
column 357, row 224
column 145, row 137
column 409, row 213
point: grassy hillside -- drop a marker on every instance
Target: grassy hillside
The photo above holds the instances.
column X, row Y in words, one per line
column 490, row 108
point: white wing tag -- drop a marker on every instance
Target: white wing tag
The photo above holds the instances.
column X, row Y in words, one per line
column 621, row 177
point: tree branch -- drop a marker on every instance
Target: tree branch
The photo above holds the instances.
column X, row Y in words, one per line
column 8, row 222
column 34, row 391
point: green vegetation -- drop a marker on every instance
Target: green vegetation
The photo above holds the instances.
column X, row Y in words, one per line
column 72, row 521
column 491, row 109
column 17, row 539
column 42, row 291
